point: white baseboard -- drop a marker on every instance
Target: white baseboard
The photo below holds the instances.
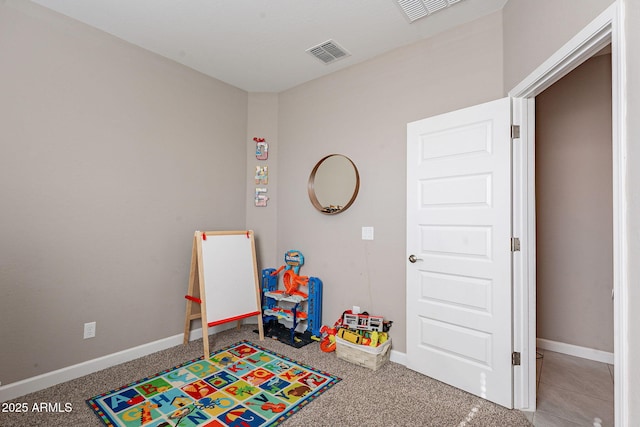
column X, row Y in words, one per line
column 574, row 350
column 398, row 357
column 49, row 379
column 40, row 382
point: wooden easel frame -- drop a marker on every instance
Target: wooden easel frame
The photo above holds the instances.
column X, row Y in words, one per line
column 196, row 294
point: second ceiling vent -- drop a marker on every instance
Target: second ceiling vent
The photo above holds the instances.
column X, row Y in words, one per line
column 328, row 52
column 416, row 9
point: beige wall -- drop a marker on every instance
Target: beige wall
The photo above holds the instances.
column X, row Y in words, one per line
column 362, row 112
column 574, row 208
column 535, row 30
column 262, row 122
column 110, row 158
column 632, row 107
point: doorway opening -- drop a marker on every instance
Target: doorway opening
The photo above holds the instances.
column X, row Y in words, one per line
column 574, row 246
column 604, row 30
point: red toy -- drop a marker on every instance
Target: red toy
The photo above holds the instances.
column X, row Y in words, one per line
column 328, row 343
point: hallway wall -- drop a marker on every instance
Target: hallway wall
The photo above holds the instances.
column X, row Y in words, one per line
column 574, row 201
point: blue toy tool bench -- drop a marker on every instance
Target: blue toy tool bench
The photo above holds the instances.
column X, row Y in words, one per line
column 293, row 318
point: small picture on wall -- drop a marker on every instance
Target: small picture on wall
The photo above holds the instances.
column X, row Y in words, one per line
column 262, row 149
column 262, row 175
column 261, row 198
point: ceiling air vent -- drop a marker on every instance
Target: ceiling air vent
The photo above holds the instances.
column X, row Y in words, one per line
column 416, row 9
column 328, row 52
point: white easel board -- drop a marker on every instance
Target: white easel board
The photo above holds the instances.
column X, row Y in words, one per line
column 223, row 263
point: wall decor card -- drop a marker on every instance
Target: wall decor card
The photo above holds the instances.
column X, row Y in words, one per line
column 261, row 198
column 262, row 175
column 262, row 149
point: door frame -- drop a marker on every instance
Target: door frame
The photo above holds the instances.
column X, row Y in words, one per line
column 606, row 28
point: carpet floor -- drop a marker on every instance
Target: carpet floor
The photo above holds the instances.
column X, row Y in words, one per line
column 391, row 396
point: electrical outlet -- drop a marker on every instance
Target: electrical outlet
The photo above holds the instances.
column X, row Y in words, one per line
column 367, row 233
column 89, row 330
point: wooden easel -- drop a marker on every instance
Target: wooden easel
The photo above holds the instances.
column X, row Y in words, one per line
column 216, row 274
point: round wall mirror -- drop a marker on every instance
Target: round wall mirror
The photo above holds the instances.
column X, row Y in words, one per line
column 333, row 184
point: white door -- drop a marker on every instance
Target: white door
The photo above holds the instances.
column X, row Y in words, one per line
column 459, row 321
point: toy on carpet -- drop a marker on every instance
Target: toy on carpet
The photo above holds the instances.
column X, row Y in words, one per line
column 356, row 328
column 328, row 341
column 291, row 315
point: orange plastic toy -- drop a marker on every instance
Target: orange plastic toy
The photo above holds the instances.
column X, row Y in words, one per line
column 292, row 281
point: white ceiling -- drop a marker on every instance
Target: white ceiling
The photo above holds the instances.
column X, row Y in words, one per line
column 260, row 45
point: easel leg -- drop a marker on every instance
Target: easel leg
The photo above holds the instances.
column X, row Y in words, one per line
column 191, row 294
column 187, row 324
column 260, row 328
column 205, row 339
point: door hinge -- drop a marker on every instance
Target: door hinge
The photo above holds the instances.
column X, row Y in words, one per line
column 515, row 244
column 515, row 131
column 515, row 358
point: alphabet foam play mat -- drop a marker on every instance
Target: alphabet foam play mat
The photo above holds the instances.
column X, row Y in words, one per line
column 241, row 385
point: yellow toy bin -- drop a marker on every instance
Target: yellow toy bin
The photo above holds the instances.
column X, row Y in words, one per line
column 363, row 355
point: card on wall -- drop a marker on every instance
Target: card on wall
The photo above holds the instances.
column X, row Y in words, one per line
column 262, row 149
column 262, row 175
column 261, row 198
